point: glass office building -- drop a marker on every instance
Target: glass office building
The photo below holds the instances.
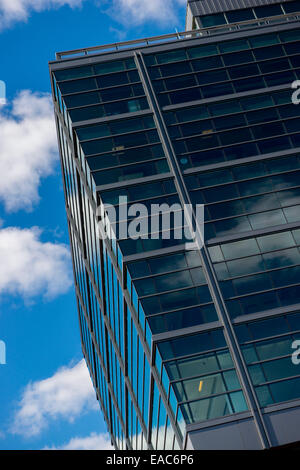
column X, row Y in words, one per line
column 190, row 348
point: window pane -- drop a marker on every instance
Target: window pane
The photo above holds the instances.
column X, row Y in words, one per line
column 275, row 242
column 202, row 51
column 268, row 52
column 208, row 63
column 269, row 10
column 240, row 15
column 257, row 102
column 213, row 20
column 291, row 7
column 287, row 36
column 70, row 74
column 237, row 45
column 239, row 249
column 171, row 56
column 82, row 99
column 264, row 40
column 224, row 108
column 78, row 85
column 192, row 114
column 109, row 67
column 238, row 58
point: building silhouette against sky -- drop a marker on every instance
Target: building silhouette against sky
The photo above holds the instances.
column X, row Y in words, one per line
column 190, row 348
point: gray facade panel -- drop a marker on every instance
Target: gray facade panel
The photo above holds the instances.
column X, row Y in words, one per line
column 236, row 435
column 283, row 426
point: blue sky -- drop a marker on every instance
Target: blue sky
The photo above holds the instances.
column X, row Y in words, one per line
column 46, row 398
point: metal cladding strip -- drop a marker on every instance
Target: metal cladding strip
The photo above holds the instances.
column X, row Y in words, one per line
column 209, row 7
column 207, row 264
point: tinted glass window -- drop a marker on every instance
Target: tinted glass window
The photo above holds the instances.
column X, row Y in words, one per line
column 213, row 20
column 269, row 10
column 240, row 15
column 202, row 51
column 69, row 74
column 238, row 58
column 291, row 7
column 264, row 40
column 231, row 46
column 78, row 85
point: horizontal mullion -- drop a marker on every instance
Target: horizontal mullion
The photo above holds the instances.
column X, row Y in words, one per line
column 271, row 382
column 268, row 338
column 103, row 103
column 243, row 180
column 181, row 289
column 249, row 196
column 151, row 276
column 271, row 359
column 266, row 271
column 218, row 371
column 125, row 149
column 140, row 201
column 228, row 67
column 94, row 75
column 229, row 80
column 190, row 356
column 254, row 141
column 97, row 89
column 126, row 165
column 243, row 111
column 112, row 136
column 217, row 54
column 260, row 253
column 167, row 312
column 247, row 126
column 214, row 395
column 245, row 214
column 265, row 291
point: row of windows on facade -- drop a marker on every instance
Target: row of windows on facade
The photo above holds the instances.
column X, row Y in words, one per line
column 198, row 113
column 123, row 78
column 188, row 88
column 113, row 151
column 247, row 14
column 126, row 159
column 189, row 114
column 186, row 68
column 196, row 375
column 197, row 417
column 115, row 68
column 190, row 80
column 165, row 189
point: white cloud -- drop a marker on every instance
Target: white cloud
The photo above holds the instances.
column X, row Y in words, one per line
column 92, row 442
column 125, row 11
column 140, row 11
column 28, row 149
column 19, row 10
column 66, row 395
column 30, row 267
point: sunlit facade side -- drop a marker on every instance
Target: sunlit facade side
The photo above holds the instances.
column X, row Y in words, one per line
column 190, row 349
